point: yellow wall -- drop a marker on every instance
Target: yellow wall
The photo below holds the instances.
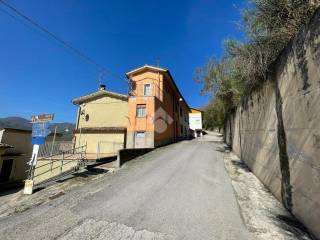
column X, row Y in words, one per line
column 19, row 167
column 43, row 169
column 21, row 140
column 20, row 154
column 104, row 112
column 108, row 143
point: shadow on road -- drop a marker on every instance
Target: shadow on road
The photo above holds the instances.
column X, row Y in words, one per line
column 220, row 149
column 10, row 191
column 80, row 175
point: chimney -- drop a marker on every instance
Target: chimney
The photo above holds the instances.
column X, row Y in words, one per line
column 102, row 87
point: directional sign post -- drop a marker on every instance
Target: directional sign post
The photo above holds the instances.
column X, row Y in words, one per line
column 40, row 129
column 39, row 132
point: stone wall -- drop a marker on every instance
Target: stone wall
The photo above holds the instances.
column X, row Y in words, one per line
column 276, row 130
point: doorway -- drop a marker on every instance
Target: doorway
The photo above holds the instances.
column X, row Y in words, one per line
column 6, row 170
column 140, row 140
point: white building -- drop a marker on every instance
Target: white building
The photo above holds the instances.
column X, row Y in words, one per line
column 195, row 122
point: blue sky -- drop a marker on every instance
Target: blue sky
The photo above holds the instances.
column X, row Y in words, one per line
column 37, row 75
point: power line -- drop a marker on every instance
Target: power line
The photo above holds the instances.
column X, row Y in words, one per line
column 100, row 67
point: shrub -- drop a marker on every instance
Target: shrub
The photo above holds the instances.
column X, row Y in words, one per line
column 269, row 26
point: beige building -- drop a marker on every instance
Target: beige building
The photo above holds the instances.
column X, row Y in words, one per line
column 15, row 152
column 4, row 175
column 101, row 123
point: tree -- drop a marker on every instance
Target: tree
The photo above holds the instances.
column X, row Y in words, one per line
column 269, row 26
column 213, row 117
column 220, row 81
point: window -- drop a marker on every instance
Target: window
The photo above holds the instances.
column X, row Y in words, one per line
column 141, row 110
column 87, row 117
column 140, row 134
column 181, row 111
column 147, row 90
column 181, row 129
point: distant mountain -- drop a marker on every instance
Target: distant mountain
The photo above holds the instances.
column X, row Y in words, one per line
column 22, row 123
column 63, row 127
column 15, row 122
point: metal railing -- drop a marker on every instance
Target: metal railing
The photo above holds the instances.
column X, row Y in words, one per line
column 54, row 147
column 63, row 158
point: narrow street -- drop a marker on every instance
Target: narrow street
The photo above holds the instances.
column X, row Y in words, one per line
column 181, row 191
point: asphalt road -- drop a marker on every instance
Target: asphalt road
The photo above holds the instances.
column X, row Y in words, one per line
column 180, row 191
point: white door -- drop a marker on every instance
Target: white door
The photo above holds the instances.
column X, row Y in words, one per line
column 140, row 140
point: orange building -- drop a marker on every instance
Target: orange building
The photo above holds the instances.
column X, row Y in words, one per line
column 157, row 111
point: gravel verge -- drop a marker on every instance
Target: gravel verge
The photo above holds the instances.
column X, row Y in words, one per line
column 263, row 214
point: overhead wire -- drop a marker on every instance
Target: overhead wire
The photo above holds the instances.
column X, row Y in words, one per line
column 102, row 69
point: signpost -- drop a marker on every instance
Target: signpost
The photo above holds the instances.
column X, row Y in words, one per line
column 42, row 118
column 40, row 129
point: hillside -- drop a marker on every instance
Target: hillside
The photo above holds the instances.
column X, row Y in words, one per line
column 22, row 123
column 15, row 122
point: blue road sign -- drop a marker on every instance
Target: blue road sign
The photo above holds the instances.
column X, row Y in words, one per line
column 40, row 129
column 38, row 140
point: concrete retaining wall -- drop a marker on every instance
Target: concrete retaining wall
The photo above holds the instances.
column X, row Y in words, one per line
column 125, row 155
column 276, row 130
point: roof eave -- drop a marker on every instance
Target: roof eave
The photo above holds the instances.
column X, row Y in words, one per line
column 145, row 67
column 197, row 109
column 83, row 99
column 175, row 85
column 162, row 70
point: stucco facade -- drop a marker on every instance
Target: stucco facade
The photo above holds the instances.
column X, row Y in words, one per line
column 13, row 159
column 157, row 114
column 101, row 123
